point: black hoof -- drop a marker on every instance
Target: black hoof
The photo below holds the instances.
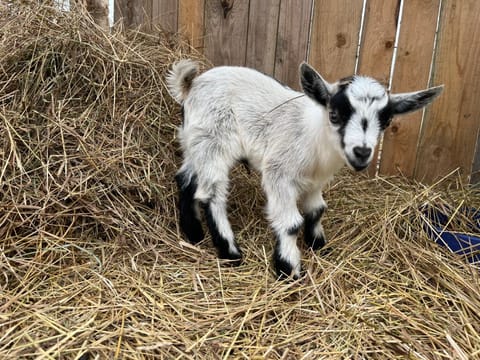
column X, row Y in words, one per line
column 283, row 269
column 193, row 230
column 315, row 242
column 326, row 251
column 232, row 259
column 281, row 276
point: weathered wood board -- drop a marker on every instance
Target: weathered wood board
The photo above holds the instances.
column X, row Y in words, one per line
column 226, row 24
column 292, row 40
column 412, row 69
column 334, row 40
column 451, row 125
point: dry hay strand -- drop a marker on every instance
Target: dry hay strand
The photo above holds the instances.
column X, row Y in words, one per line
column 87, row 127
column 92, row 264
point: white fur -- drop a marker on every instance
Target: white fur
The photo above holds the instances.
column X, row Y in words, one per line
column 234, row 113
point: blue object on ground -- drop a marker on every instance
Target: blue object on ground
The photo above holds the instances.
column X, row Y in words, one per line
column 467, row 245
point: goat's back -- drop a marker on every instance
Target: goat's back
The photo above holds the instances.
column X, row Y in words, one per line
column 245, row 91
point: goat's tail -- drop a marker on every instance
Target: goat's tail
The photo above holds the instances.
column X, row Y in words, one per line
column 180, row 78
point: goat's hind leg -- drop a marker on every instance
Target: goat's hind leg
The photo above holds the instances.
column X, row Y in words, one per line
column 188, row 207
column 212, row 194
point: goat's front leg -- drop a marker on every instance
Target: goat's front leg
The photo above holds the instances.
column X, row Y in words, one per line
column 286, row 221
column 314, row 206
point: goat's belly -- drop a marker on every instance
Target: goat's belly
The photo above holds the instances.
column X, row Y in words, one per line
column 252, row 162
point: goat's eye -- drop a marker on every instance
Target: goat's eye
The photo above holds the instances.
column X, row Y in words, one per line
column 334, row 118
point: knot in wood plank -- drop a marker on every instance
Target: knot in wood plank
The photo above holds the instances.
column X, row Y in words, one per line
column 227, row 6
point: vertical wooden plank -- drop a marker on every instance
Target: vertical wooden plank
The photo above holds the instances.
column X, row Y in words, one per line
column 165, row 14
column 132, row 13
column 262, row 35
column 412, row 69
column 451, row 126
column 119, row 10
column 226, row 23
column 377, row 45
column 475, row 179
column 99, row 11
column 190, row 21
column 334, row 41
column 148, row 11
column 380, row 26
column 292, row 40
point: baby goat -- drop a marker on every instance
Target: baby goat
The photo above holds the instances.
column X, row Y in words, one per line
column 297, row 141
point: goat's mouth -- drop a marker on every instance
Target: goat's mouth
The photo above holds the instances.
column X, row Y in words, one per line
column 356, row 164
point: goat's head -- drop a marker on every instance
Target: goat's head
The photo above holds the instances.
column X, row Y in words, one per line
column 360, row 109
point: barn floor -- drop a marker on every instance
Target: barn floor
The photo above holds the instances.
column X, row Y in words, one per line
column 92, row 265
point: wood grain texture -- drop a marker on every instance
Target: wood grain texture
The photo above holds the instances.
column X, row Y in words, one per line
column 99, row 11
column 133, row 14
column 292, row 40
column 147, row 15
column 377, row 45
column 191, row 21
column 378, row 40
column 475, row 178
column 226, row 25
column 262, row 35
column 412, row 70
column 165, row 14
column 451, row 126
column 334, row 41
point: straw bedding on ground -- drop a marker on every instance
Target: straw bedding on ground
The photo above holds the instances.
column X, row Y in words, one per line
column 92, row 264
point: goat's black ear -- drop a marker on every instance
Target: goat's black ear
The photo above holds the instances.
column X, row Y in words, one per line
column 408, row 102
column 314, row 85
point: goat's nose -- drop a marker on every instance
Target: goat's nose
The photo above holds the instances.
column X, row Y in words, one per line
column 362, row 152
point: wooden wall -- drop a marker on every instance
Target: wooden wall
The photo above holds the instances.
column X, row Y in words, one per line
column 392, row 40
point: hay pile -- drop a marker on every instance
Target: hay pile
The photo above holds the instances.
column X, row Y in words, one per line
column 91, row 262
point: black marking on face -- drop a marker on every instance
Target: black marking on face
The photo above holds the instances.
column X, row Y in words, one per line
column 342, row 106
column 189, row 224
column 343, row 109
column 385, row 116
column 364, row 125
column 222, row 244
column 311, row 220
